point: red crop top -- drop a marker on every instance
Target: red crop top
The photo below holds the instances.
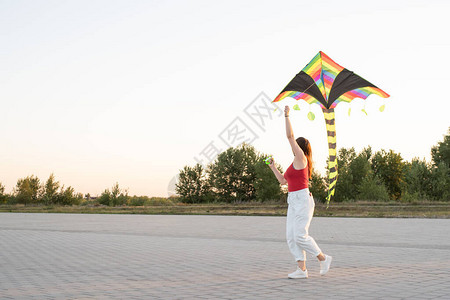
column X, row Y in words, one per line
column 297, row 179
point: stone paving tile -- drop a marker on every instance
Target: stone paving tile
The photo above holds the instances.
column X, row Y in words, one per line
column 61, row 256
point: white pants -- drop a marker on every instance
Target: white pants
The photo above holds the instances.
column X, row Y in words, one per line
column 299, row 215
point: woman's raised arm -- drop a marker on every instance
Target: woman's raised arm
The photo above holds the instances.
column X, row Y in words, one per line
column 298, row 152
column 289, row 131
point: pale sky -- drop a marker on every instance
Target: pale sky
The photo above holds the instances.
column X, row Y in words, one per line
column 99, row 92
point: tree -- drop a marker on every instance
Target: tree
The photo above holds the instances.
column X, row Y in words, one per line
column 318, row 186
column 192, row 185
column 238, row 174
column 118, row 195
column 345, row 189
column 28, row 190
column 104, row 197
column 266, row 184
column 360, row 167
column 440, row 170
column 389, row 167
column 356, row 178
column 3, row 196
column 232, row 175
column 441, row 152
column 440, row 182
column 50, row 190
column 417, row 178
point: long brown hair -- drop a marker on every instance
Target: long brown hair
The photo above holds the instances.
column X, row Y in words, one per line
column 306, row 147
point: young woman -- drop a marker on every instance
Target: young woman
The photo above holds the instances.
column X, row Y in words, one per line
column 301, row 204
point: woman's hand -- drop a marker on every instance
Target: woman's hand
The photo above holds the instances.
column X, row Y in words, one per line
column 271, row 162
column 286, row 111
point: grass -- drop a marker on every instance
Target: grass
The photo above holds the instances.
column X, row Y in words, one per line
column 345, row 209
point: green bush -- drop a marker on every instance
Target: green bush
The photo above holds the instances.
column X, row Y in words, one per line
column 11, row 200
column 372, row 189
column 104, row 198
column 88, row 202
column 137, row 200
column 115, row 197
column 413, row 197
column 151, row 201
column 68, row 197
column 156, row 201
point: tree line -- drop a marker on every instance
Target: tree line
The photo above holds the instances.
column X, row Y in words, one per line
column 31, row 191
column 240, row 175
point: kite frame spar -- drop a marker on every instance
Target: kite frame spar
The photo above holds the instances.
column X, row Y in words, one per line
column 324, row 82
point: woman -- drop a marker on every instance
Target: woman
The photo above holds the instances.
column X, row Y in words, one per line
column 301, row 204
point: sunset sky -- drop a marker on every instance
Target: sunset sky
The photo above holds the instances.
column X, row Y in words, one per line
column 99, row 92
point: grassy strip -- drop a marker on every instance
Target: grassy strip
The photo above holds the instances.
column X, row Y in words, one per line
column 358, row 209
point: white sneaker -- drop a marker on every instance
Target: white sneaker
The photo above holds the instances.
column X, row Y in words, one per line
column 325, row 265
column 299, row 274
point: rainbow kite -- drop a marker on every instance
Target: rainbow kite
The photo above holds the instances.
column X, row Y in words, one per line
column 326, row 83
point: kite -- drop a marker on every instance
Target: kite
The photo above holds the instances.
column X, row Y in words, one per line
column 326, row 83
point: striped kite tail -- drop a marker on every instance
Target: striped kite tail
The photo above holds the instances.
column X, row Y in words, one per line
column 332, row 160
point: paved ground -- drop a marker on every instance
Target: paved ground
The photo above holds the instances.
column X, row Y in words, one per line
column 70, row 256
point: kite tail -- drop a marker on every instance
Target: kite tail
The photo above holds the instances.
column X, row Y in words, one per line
column 332, row 159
